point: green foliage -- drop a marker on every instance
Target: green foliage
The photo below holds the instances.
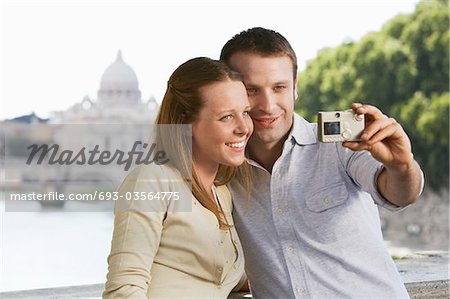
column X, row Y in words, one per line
column 426, row 120
column 404, row 70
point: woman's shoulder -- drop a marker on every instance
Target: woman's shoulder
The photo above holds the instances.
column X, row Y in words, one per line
column 154, row 178
column 154, row 173
column 154, row 188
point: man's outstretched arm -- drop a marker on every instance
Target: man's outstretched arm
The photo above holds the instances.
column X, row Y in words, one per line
column 401, row 180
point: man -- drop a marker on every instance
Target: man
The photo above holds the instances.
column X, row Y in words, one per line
column 310, row 227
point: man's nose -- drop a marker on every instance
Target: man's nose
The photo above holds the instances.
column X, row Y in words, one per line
column 265, row 102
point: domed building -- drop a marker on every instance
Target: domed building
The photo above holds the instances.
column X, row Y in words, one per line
column 115, row 128
column 115, row 121
column 118, row 100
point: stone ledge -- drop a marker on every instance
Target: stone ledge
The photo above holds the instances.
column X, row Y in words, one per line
column 81, row 291
column 428, row 289
column 426, row 276
column 424, row 266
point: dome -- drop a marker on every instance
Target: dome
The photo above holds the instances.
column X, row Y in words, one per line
column 119, row 84
column 119, row 76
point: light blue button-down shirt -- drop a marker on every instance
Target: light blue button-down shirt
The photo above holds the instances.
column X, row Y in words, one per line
column 311, row 229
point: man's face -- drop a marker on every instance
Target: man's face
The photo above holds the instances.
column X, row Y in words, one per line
column 270, row 87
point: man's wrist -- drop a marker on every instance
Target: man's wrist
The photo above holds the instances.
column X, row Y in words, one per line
column 404, row 168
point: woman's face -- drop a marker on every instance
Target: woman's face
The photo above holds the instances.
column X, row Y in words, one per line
column 223, row 126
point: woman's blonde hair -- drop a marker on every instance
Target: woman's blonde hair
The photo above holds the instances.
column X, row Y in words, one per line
column 181, row 104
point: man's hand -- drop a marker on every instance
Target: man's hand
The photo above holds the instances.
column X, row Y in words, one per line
column 383, row 137
column 401, row 180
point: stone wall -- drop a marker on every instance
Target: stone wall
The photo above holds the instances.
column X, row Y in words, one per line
column 426, row 276
column 421, row 226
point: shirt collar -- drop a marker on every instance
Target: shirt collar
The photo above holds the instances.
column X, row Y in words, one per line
column 302, row 131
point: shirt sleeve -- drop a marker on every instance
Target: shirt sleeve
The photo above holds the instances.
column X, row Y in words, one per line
column 364, row 170
column 137, row 232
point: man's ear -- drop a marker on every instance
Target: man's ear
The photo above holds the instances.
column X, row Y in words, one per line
column 296, row 89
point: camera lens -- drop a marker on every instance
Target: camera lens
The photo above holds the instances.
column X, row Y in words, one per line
column 337, row 115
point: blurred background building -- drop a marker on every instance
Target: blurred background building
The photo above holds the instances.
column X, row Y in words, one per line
column 118, row 100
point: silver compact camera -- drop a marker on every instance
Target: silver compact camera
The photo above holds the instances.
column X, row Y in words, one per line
column 338, row 126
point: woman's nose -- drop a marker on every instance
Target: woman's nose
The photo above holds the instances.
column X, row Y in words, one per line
column 243, row 126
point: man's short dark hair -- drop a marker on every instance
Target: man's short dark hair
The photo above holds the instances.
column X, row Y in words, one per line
column 258, row 40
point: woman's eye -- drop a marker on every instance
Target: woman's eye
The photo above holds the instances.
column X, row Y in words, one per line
column 227, row 117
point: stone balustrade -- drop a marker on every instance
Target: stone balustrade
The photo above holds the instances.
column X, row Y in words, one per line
column 426, row 276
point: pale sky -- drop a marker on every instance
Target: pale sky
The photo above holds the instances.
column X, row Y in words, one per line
column 55, row 52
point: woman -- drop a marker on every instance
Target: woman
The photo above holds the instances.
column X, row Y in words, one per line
column 158, row 249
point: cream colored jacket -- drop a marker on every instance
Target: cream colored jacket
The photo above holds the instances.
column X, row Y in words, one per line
column 170, row 248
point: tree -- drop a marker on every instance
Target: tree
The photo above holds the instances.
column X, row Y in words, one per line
column 404, row 70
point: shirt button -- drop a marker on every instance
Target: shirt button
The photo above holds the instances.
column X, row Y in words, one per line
column 280, row 211
column 219, row 286
column 290, row 249
column 301, row 290
column 219, row 269
column 327, row 200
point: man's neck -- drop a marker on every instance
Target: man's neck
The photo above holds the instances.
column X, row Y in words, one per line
column 266, row 154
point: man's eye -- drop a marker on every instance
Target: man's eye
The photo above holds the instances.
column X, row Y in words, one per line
column 279, row 87
column 246, row 113
column 251, row 90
